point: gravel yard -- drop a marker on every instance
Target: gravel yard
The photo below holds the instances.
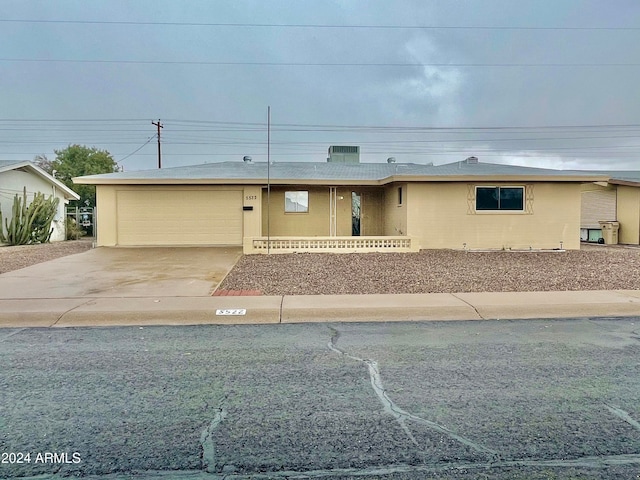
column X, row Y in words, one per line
column 594, row 267
column 438, row 271
column 20, row 256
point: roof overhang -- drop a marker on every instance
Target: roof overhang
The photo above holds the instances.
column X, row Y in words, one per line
column 373, row 182
column 627, row 183
column 68, row 193
column 494, row 178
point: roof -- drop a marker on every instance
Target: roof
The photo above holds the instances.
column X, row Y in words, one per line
column 25, row 165
column 625, row 177
column 619, row 177
column 288, row 173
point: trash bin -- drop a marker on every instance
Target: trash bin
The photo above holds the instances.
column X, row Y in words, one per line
column 610, row 232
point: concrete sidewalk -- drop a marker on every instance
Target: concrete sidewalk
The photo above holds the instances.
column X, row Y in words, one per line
column 183, row 310
column 173, row 286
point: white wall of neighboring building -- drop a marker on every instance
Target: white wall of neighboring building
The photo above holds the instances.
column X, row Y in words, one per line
column 12, row 182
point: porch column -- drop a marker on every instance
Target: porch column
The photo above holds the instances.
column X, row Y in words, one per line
column 333, row 207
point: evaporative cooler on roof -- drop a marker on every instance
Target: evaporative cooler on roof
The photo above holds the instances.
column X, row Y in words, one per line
column 344, row 154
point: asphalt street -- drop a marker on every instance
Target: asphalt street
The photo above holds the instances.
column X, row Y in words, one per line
column 534, row 399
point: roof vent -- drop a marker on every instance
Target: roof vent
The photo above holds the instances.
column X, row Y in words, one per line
column 471, row 160
column 391, row 160
column 247, row 159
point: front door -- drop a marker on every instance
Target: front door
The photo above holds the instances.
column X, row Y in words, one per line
column 356, row 213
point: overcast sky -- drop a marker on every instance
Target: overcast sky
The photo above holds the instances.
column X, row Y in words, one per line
column 547, row 83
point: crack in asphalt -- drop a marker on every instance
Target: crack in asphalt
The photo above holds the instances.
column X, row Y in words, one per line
column 584, row 462
column 618, row 412
column 402, row 416
column 206, row 441
column 602, row 462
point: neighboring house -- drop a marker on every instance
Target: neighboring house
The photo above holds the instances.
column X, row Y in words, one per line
column 627, row 186
column 616, row 200
column 15, row 176
column 343, row 206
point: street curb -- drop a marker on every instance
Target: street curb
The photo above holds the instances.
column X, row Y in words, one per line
column 231, row 310
column 367, row 308
column 174, row 311
column 85, row 312
column 523, row 305
column 35, row 312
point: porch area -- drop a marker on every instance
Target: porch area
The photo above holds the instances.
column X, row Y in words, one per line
column 330, row 219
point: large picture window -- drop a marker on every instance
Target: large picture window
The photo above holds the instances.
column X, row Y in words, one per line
column 500, row 198
column 296, row 202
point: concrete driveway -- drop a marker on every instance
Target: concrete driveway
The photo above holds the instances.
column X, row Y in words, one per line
column 124, row 272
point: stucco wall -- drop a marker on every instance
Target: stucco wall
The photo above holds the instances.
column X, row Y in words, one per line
column 251, row 218
column 12, row 183
column 372, row 222
column 106, row 213
column 344, row 223
column 442, row 215
column 395, row 215
column 315, row 222
column 628, row 213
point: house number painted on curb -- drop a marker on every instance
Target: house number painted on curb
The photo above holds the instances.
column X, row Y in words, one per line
column 232, row 311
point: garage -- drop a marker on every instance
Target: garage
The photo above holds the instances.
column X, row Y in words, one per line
column 598, row 204
column 171, row 216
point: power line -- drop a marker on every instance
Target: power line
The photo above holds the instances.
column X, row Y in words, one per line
column 137, row 149
column 315, row 25
column 317, row 64
column 531, row 152
column 416, row 128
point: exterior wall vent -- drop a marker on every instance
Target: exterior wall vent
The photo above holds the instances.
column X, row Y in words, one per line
column 247, row 159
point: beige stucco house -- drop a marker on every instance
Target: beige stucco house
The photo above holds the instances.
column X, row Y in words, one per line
column 343, row 206
column 15, row 176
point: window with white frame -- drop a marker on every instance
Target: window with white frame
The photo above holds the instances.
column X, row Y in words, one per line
column 499, row 198
column 296, row 202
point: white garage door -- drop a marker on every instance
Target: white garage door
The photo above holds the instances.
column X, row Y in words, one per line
column 179, row 217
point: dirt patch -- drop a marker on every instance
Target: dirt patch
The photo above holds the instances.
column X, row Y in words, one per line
column 21, row 256
column 437, row 271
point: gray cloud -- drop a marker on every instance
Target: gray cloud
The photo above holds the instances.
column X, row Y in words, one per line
column 236, row 96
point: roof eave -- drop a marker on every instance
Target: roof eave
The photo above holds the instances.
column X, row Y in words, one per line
column 626, row 183
column 164, row 181
column 494, row 178
column 89, row 180
column 68, row 193
column 219, row 181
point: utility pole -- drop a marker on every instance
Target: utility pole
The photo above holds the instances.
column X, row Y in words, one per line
column 159, row 125
column 268, row 179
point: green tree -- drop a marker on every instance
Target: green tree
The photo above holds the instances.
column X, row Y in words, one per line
column 43, row 162
column 79, row 160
